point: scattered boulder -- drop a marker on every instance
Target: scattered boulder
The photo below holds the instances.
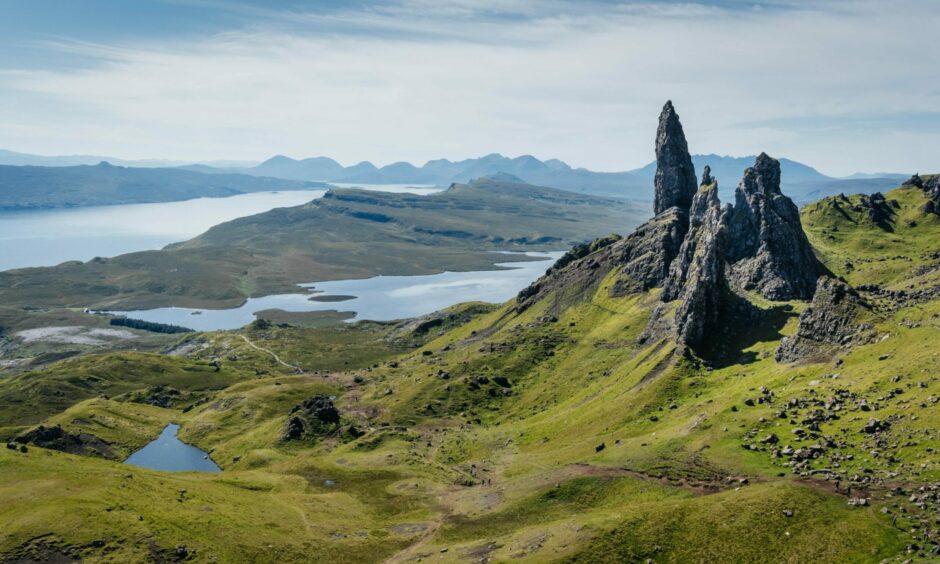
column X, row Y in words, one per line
column 875, row 426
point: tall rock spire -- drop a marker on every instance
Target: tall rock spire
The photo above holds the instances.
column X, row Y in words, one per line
column 675, row 181
column 768, row 250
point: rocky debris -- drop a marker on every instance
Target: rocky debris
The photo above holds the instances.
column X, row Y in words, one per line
column 11, row 445
column 57, row 438
column 675, row 175
column 829, row 322
column 875, row 426
column 315, row 417
column 768, row 250
column 697, row 275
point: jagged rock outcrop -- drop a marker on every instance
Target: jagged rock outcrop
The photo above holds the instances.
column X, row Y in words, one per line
column 768, row 250
column 675, row 181
column 880, row 211
column 315, row 417
column 932, row 190
column 645, row 255
column 831, row 321
column 697, row 275
column 57, row 438
column 707, row 178
column 915, row 180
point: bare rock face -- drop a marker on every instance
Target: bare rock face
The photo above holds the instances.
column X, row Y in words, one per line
column 675, row 175
column 768, row 250
column 831, row 321
column 697, row 275
column 647, row 252
column 932, row 189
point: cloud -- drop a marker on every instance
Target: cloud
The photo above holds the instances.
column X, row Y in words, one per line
column 417, row 79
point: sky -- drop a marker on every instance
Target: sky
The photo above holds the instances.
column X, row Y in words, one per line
column 842, row 85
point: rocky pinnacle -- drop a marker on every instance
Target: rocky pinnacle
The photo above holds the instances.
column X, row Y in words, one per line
column 768, row 250
column 675, row 181
column 707, row 178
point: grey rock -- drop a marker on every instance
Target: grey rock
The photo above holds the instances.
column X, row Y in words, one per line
column 769, row 251
column 697, row 275
column 932, row 189
column 675, row 175
column 645, row 255
column 707, row 178
column 830, row 321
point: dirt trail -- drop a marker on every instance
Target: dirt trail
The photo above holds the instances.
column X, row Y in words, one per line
column 273, row 355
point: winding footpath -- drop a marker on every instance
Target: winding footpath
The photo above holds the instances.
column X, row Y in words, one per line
column 273, row 355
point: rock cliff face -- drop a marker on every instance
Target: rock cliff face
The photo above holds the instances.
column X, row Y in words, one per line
column 697, row 276
column 645, row 254
column 675, row 175
column 828, row 323
column 768, row 250
column 932, row 189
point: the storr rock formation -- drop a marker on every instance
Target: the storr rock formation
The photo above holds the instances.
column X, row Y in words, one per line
column 675, row 174
column 699, row 252
column 768, row 249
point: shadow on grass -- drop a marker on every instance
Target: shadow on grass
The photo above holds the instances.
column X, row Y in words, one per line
column 747, row 325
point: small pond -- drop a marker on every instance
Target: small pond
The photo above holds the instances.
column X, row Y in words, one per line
column 170, row 454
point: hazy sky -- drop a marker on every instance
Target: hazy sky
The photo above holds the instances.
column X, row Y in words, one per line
column 844, row 85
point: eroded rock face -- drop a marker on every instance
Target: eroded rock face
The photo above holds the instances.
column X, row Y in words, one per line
column 768, row 250
column 932, row 189
column 831, row 321
column 647, row 252
column 697, row 275
column 675, row 182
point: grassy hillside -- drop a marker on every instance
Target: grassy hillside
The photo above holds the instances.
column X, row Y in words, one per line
column 348, row 234
column 546, row 435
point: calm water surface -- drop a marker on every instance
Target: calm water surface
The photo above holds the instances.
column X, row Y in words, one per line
column 380, row 298
column 168, row 453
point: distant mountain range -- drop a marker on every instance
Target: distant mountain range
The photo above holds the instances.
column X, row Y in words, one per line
column 33, row 187
column 801, row 182
column 12, row 158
